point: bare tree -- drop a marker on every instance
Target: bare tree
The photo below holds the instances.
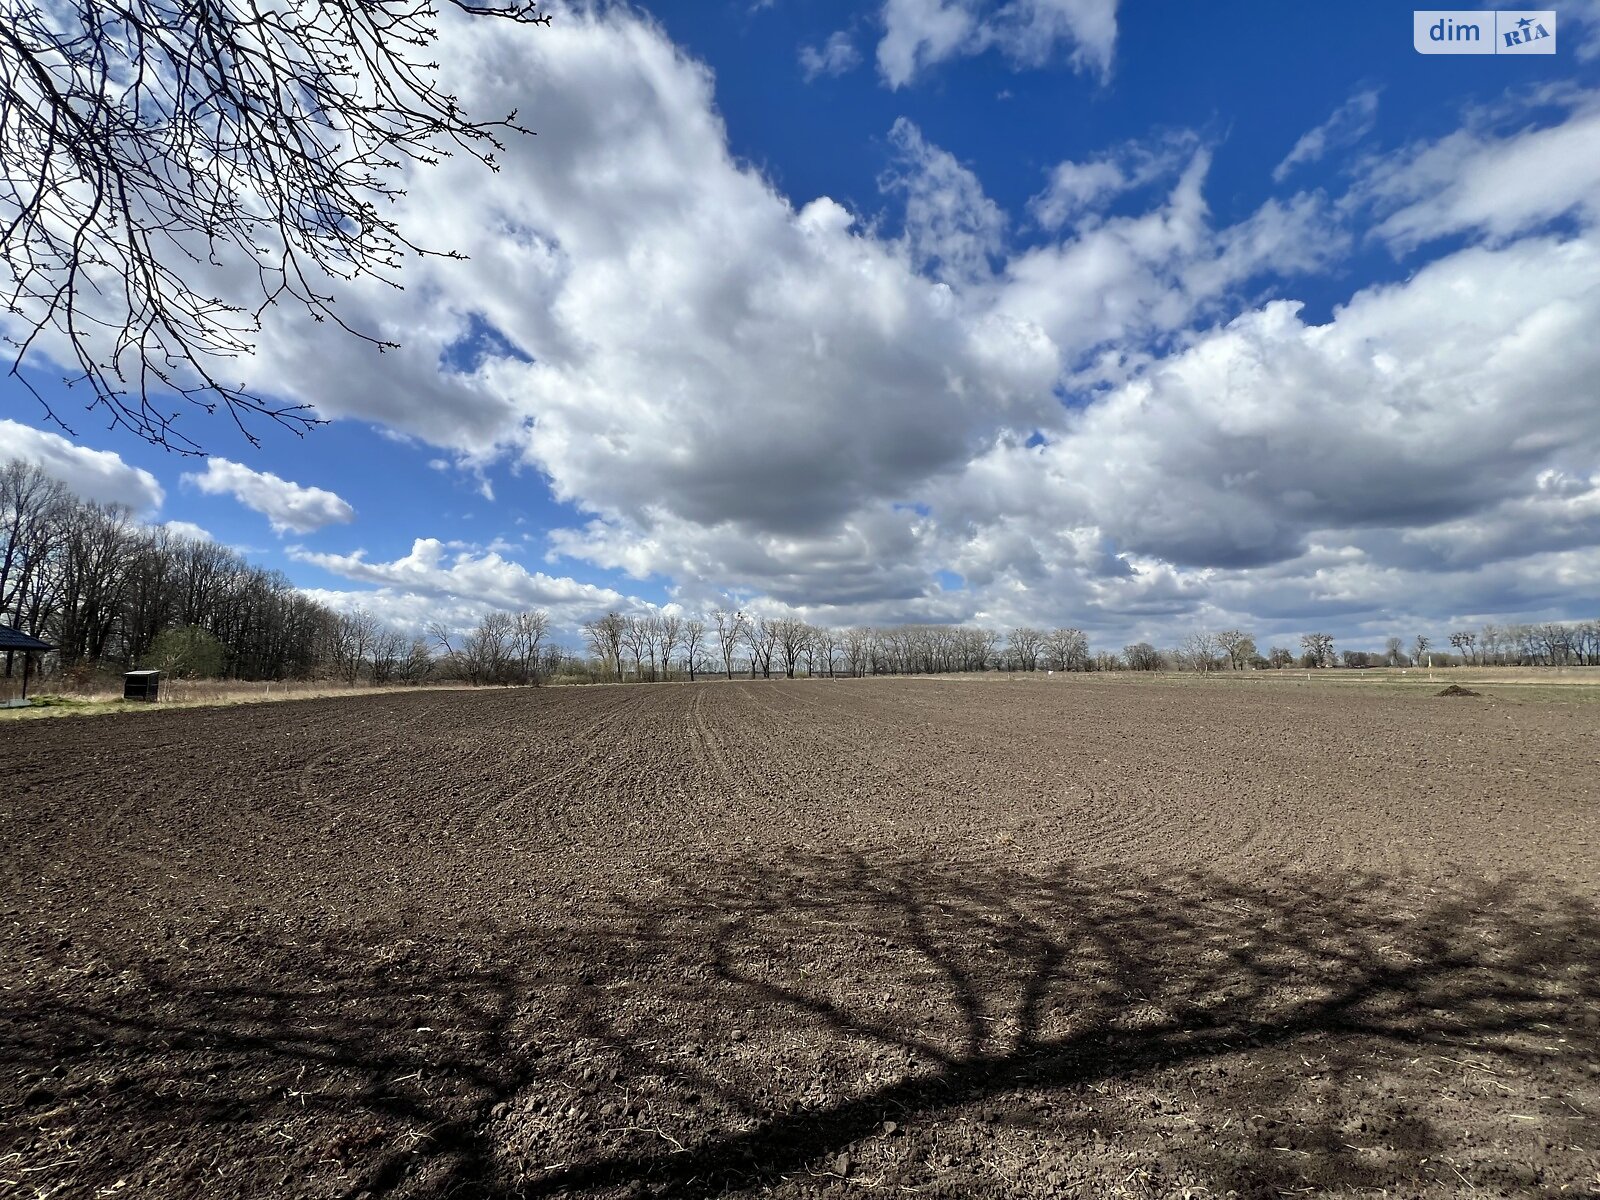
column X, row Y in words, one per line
column 33, row 509
column 418, row 662
column 983, row 645
column 669, row 633
column 356, row 635
column 650, row 633
column 1419, row 651
column 857, row 649
column 489, row 647
column 1239, row 646
column 1066, row 649
column 96, row 544
column 528, row 630
column 1464, row 641
column 1318, row 649
column 105, row 589
column 1493, row 645
column 827, row 642
column 694, row 640
column 1394, row 652
column 761, row 635
column 1142, row 656
column 1199, row 652
column 442, row 638
column 604, row 635
column 637, row 639
column 792, row 636
column 150, row 149
column 1024, row 644
column 555, row 660
column 387, row 660
column 485, row 654
column 730, row 629
column 1558, row 643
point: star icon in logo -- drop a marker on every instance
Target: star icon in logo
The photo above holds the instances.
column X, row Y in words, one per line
column 1524, row 23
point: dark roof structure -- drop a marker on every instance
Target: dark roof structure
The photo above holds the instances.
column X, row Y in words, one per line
column 12, row 639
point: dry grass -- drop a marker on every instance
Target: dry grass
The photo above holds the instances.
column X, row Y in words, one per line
column 1552, row 684
column 106, row 697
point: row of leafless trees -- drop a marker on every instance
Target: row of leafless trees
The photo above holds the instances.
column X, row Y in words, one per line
column 1547, row 644
column 103, row 587
column 519, row 648
column 504, row 647
column 729, row 643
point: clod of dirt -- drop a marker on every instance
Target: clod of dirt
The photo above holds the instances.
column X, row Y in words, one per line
column 1455, row 689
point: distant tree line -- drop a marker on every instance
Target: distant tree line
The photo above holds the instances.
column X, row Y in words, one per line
column 1546, row 644
column 729, row 643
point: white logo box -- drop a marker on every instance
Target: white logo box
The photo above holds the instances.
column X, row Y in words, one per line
column 1484, row 31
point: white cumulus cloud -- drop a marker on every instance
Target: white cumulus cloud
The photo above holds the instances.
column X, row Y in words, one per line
column 91, row 474
column 288, row 507
column 434, row 580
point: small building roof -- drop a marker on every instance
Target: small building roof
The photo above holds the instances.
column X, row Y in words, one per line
column 14, row 639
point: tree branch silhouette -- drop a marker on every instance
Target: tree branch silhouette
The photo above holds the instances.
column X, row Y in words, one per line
column 152, row 147
column 749, row 1023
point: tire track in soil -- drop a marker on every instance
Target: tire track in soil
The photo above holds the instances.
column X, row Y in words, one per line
column 1073, row 814
column 709, row 753
column 580, row 752
column 1089, row 811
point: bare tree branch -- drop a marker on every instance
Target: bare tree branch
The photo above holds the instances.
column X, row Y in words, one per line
column 152, row 146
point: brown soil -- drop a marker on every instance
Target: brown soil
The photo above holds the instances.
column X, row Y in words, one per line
column 943, row 939
column 1455, row 689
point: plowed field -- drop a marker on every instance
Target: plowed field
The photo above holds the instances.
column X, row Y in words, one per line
column 841, row 938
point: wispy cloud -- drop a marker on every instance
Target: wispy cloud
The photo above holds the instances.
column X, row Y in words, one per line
column 834, row 57
column 1350, row 122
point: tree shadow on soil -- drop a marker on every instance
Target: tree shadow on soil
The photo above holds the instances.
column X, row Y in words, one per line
column 899, row 1023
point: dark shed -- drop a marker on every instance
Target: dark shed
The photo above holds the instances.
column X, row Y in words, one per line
column 141, row 685
column 12, row 640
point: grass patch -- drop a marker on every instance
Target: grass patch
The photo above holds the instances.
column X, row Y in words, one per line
column 203, row 694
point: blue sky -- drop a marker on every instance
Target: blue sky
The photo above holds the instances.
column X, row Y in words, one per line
column 1136, row 317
